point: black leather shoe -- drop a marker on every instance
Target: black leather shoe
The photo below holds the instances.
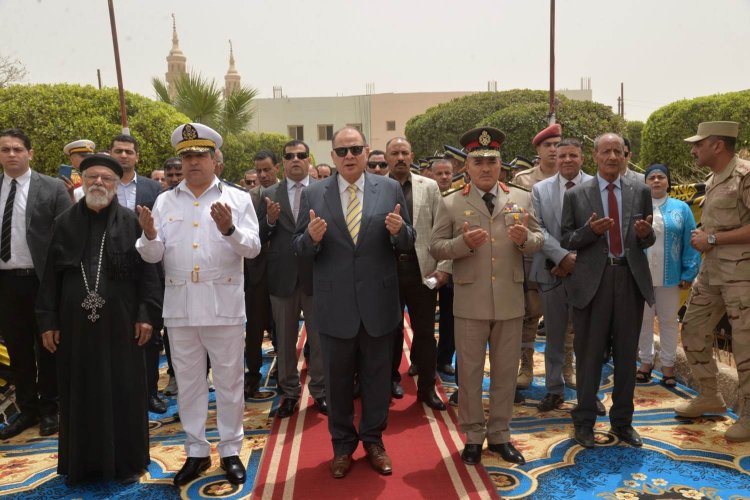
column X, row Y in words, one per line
column 584, row 435
column 508, row 452
column 191, row 469
column 453, row 400
column 447, row 369
column 432, row 400
column 250, row 390
column 627, row 434
column 413, row 370
column 48, row 425
column 321, row 405
column 132, row 478
column 518, row 398
column 234, row 469
column 600, row 409
column 550, row 402
column 22, row 422
column 472, row 454
column 286, row 408
column 156, row 405
column 396, row 390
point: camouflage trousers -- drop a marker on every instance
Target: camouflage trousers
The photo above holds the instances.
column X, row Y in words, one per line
column 705, row 307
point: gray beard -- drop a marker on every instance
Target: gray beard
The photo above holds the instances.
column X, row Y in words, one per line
column 95, row 200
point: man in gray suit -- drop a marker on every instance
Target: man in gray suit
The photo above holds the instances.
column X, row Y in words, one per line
column 350, row 223
column 607, row 222
column 291, row 286
column 29, row 203
column 625, row 171
column 553, row 263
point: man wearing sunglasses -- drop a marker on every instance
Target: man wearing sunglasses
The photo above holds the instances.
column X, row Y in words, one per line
column 291, row 286
column 376, row 163
column 414, row 267
column 350, row 223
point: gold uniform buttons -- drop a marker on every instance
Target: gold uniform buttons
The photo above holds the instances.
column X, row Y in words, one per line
column 195, row 224
column 197, row 268
column 195, row 245
column 196, row 204
column 493, row 278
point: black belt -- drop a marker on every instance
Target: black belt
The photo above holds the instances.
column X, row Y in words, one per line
column 617, row 261
column 18, row 272
column 406, row 257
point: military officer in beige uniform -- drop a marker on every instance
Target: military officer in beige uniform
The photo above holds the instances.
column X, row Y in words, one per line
column 723, row 283
column 545, row 143
column 486, row 228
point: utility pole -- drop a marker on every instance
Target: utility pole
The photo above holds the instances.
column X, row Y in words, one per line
column 622, row 100
column 121, row 89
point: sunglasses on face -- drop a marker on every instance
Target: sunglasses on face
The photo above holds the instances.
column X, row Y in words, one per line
column 355, row 150
column 377, row 164
column 291, row 156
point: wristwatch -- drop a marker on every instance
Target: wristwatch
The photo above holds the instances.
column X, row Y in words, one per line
column 230, row 232
column 712, row 239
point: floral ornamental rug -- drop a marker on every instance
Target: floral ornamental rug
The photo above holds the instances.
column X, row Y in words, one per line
column 680, row 459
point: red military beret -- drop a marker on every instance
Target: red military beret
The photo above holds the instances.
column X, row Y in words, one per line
column 554, row 130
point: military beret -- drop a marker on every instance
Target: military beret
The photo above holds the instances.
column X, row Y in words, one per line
column 101, row 160
column 195, row 137
column 482, row 141
column 554, row 130
column 79, row 146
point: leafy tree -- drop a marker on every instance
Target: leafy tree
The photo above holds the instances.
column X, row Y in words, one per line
column 665, row 129
column 201, row 99
column 240, row 149
column 53, row 115
column 633, row 131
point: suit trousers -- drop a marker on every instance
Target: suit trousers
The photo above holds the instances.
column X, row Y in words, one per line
column 420, row 302
column 666, row 305
column 370, row 358
column 190, row 344
column 258, row 313
column 556, row 316
column 504, row 338
column 446, row 347
column 286, row 316
column 615, row 313
column 33, row 368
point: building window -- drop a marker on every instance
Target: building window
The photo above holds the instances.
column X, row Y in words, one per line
column 325, row 132
column 390, row 125
column 295, row 132
column 358, row 126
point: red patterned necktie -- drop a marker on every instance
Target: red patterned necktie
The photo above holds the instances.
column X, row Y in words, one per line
column 615, row 243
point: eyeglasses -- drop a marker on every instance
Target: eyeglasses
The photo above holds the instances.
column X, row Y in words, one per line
column 105, row 178
column 377, row 164
column 291, row 156
column 355, row 150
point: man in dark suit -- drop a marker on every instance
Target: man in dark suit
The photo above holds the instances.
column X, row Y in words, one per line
column 257, row 298
column 291, row 286
column 136, row 190
column 607, row 222
column 350, row 223
column 29, row 203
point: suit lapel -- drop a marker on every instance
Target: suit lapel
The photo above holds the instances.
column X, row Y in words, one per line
column 417, row 193
column 282, row 197
column 595, row 198
column 553, row 194
column 370, row 203
column 627, row 207
column 332, row 199
column 33, row 194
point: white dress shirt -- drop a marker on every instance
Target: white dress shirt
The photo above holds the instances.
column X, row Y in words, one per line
column 20, row 255
column 202, row 267
column 126, row 193
column 343, row 191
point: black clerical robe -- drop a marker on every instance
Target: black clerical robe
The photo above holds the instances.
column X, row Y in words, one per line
column 101, row 370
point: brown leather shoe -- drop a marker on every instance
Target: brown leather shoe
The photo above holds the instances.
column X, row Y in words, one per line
column 340, row 466
column 378, row 458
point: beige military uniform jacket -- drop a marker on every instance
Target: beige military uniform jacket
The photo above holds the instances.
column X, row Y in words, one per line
column 527, row 178
column 488, row 281
column 726, row 207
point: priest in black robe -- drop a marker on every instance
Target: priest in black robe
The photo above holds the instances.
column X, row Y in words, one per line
column 95, row 309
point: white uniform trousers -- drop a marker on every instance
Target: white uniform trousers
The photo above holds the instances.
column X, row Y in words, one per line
column 224, row 345
column 666, row 306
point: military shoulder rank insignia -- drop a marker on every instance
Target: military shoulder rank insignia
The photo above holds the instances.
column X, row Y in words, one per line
column 467, row 190
column 503, row 187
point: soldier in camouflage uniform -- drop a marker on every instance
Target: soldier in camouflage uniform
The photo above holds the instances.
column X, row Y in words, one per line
column 723, row 283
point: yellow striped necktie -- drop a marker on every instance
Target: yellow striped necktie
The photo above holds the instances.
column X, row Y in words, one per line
column 353, row 213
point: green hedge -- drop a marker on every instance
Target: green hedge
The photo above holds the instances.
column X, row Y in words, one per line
column 239, row 151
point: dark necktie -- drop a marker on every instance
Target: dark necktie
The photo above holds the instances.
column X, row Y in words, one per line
column 489, row 201
column 7, row 221
column 615, row 243
column 569, row 184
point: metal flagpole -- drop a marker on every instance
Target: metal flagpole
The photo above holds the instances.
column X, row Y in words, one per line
column 552, row 62
column 120, row 88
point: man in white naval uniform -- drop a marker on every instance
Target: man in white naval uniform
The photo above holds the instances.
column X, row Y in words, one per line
column 202, row 229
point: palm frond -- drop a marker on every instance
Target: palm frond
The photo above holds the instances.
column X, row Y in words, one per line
column 238, row 110
column 199, row 98
column 160, row 87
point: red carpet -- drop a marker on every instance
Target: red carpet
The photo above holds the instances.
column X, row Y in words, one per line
column 424, row 446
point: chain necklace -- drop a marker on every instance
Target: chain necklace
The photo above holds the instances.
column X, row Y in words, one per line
column 93, row 300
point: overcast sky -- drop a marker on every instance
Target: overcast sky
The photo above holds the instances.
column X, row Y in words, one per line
column 663, row 50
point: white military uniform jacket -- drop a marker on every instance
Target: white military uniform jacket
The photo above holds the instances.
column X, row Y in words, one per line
column 202, row 267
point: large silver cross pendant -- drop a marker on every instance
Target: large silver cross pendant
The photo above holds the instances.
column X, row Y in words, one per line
column 93, row 301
